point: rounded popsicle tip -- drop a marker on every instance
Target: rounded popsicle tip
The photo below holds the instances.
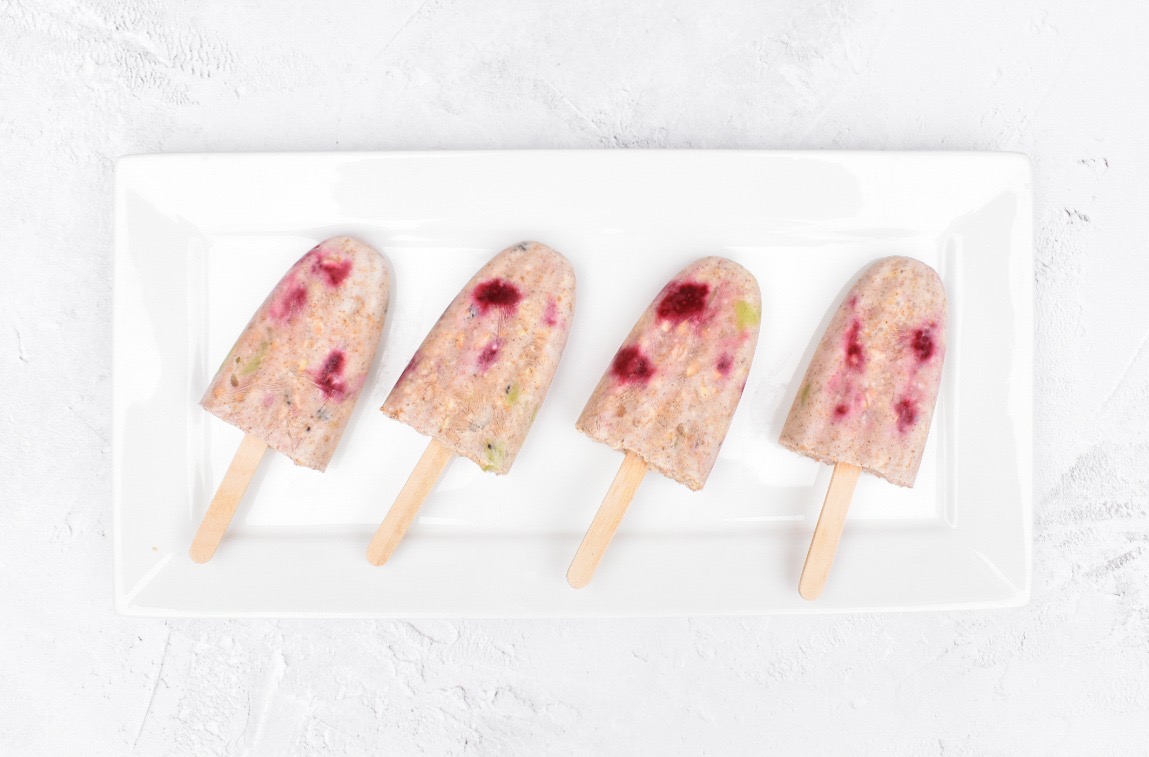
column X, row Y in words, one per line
column 723, row 268
column 914, row 265
column 552, row 257
column 337, row 260
column 909, row 273
column 691, row 296
column 345, row 242
column 536, row 248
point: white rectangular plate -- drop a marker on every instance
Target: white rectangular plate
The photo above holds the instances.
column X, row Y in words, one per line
column 201, row 239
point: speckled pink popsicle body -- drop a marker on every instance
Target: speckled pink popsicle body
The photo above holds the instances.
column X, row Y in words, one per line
column 869, row 394
column 295, row 372
column 483, row 371
column 672, row 389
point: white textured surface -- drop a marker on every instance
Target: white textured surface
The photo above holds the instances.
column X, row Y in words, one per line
column 81, row 83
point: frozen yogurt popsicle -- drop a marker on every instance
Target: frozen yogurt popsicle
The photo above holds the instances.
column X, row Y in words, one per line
column 480, row 376
column 295, row 372
column 671, row 390
column 293, row 376
column 868, row 396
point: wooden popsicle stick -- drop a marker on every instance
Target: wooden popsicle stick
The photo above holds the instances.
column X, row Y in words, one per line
column 606, row 520
column 828, row 532
column 421, row 483
column 227, row 497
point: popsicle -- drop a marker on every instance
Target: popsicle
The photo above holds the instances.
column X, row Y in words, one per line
column 481, row 374
column 293, row 376
column 671, row 390
column 868, row 397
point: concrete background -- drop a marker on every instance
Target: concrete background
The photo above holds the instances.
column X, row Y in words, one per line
column 84, row 82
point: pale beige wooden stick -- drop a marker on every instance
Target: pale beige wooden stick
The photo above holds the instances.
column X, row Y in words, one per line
column 606, row 521
column 227, row 497
column 422, row 482
column 828, row 532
